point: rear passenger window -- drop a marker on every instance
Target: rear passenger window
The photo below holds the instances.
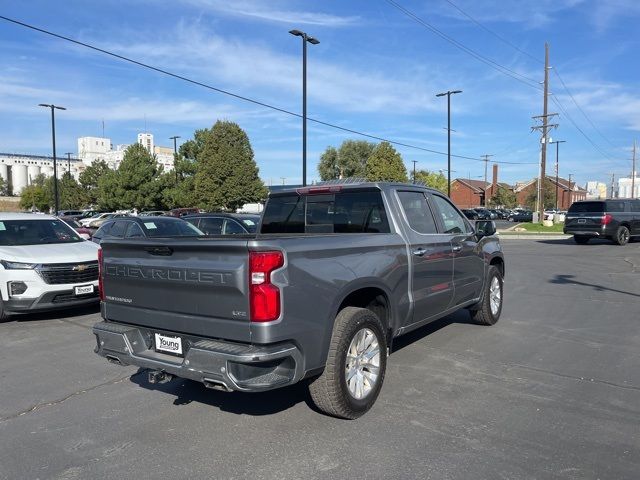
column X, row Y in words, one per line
column 635, row 206
column 417, row 211
column 118, row 228
column 615, row 206
column 231, row 227
column 211, row 226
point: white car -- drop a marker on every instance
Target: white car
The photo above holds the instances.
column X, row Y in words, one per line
column 99, row 216
column 44, row 265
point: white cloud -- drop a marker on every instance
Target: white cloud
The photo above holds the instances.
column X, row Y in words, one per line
column 270, row 12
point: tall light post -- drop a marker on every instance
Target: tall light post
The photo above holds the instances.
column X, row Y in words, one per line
column 313, row 41
column 557, row 142
column 414, row 170
column 448, row 93
column 53, row 139
column 175, row 154
column 68, row 154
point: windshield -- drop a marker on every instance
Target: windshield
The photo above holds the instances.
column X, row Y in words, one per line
column 166, row 227
column 36, row 232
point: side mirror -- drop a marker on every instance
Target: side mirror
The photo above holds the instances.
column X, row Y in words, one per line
column 485, row 228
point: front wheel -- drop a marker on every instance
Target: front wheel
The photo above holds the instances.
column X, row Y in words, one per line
column 355, row 368
column 3, row 313
column 488, row 310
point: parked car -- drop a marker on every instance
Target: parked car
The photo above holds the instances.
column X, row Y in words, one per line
column 44, row 265
column 334, row 275
column 75, row 214
column 86, row 222
column 145, row 227
column 224, row 223
column 617, row 220
column 152, row 213
column 470, row 213
column 84, row 232
column 521, row 216
column 181, row 212
column 483, row 213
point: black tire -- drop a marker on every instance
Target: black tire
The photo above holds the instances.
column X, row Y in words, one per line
column 482, row 313
column 329, row 391
column 622, row 235
column 581, row 239
column 4, row 316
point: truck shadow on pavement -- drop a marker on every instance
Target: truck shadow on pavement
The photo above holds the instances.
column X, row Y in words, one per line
column 62, row 314
column 273, row 401
column 571, row 280
column 239, row 403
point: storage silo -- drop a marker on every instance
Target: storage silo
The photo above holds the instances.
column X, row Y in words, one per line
column 34, row 171
column 19, row 178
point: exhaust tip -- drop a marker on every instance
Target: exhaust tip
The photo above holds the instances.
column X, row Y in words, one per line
column 114, row 359
column 216, row 385
column 158, row 376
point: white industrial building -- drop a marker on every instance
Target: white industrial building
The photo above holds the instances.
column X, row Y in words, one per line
column 624, row 187
column 596, row 190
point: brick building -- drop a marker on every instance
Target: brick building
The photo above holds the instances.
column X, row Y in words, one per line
column 567, row 194
column 467, row 193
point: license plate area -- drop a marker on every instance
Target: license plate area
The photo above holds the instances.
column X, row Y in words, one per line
column 168, row 344
column 582, row 220
column 83, row 290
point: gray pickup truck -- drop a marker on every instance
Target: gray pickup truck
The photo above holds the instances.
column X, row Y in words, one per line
column 334, row 275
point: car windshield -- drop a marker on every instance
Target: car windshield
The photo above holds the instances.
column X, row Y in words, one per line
column 36, row 232
column 166, row 227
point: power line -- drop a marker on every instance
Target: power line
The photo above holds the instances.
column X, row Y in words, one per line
column 478, row 56
column 495, row 34
column 581, row 110
column 231, row 94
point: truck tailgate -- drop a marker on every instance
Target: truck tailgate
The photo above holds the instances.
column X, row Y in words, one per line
column 191, row 286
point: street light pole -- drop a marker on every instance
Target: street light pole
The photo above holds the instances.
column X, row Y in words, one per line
column 448, row 93
column 175, row 154
column 53, row 139
column 313, row 41
column 557, row 142
column 414, row 170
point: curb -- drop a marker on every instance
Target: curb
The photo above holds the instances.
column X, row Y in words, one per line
column 535, row 236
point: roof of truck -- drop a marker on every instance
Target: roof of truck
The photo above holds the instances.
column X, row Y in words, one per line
column 349, row 184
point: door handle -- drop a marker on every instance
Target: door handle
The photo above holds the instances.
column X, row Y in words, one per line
column 419, row 252
column 456, row 248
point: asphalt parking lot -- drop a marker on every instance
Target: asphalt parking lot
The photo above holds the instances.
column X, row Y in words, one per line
column 551, row 391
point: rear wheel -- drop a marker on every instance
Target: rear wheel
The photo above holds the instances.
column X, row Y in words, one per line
column 488, row 311
column 622, row 235
column 4, row 316
column 581, row 239
column 356, row 363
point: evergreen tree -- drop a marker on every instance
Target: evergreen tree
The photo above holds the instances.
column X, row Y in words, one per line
column 548, row 195
column 89, row 179
column 227, row 174
column 504, row 198
column 385, row 165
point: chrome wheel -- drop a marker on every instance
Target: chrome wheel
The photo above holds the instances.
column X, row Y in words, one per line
column 495, row 295
column 623, row 236
column 362, row 367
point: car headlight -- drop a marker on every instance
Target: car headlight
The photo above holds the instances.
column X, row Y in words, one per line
column 17, row 265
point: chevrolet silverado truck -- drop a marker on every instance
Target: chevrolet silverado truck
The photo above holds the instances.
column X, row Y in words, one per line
column 333, row 275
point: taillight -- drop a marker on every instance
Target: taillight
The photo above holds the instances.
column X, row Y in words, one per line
column 100, row 271
column 264, row 297
column 606, row 219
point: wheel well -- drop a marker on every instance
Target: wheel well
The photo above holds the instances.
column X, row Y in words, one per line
column 625, row 224
column 499, row 263
column 371, row 298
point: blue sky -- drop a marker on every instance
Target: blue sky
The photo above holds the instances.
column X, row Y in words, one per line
column 376, row 70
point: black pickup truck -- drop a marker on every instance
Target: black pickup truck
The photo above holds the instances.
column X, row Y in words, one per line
column 333, row 276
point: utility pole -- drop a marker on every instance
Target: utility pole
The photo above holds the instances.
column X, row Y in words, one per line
column 544, row 128
column 175, row 154
column 414, row 170
column 557, row 142
column 283, row 179
column 448, row 94
column 486, row 164
column 633, row 172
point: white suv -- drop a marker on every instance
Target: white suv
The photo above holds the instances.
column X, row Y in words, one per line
column 44, row 265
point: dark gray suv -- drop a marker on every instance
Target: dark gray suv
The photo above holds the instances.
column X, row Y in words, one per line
column 617, row 220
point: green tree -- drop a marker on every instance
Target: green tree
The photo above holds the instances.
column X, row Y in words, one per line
column 134, row 185
column 548, row 195
column 90, row 178
column 192, row 148
column 227, row 174
column 70, row 194
column 34, row 196
column 385, row 165
column 350, row 160
column 4, row 187
column 504, row 197
column 431, row 179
